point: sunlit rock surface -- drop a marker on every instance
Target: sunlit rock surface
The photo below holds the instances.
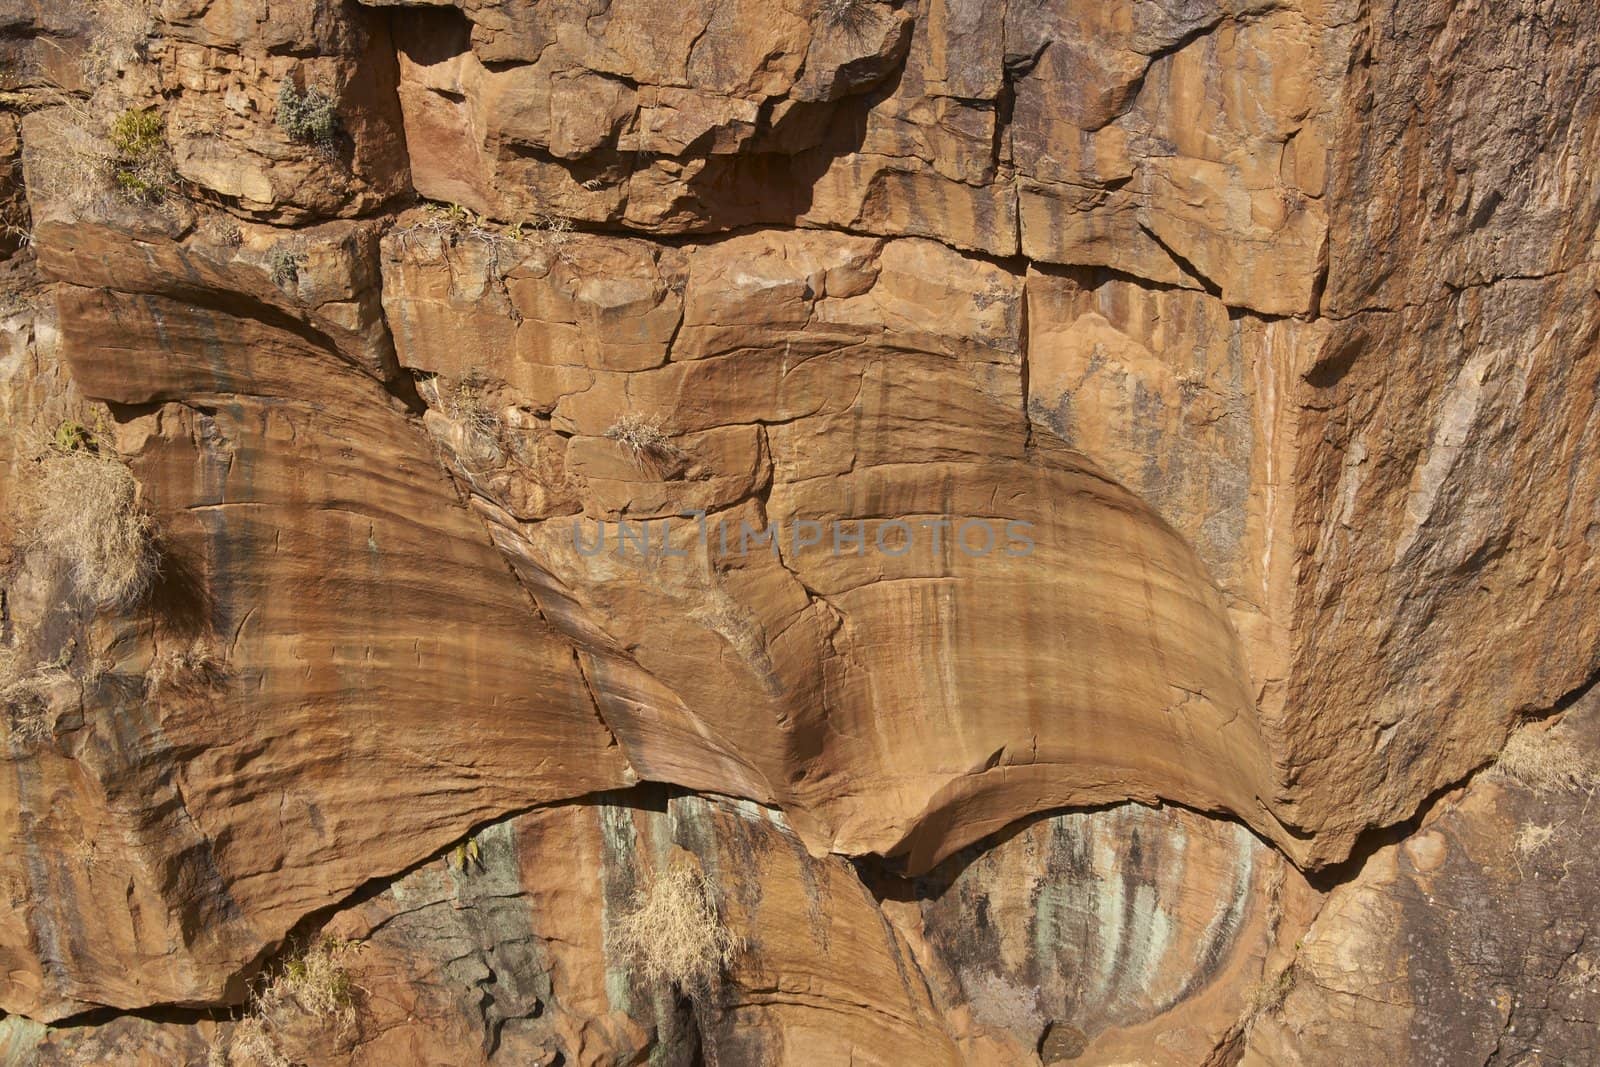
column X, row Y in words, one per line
column 1174, row 419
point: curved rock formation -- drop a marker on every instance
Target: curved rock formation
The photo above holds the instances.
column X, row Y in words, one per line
column 1040, row 511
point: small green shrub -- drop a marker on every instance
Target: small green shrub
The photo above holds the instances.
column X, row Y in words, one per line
column 141, row 166
column 309, row 117
column 70, row 437
column 137, row 134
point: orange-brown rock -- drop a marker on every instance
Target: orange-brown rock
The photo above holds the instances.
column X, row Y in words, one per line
column 224, row 70
column 860, row 387
column 277, row 789
column 1467, row 942
column 1445, row 523
column 506, row 953
column 1181, row 402
column 1185, row 147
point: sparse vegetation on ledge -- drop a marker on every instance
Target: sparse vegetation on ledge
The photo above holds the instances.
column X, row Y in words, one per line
column 312, row 990
column 456, row 223
column 82, row 506
column 673, row 934
column 644, row 439
column 309, row 118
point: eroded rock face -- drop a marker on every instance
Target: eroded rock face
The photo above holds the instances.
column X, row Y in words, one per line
column 1465, row 943
column 850, row 384
column 1070, row 132
column 1126, row 932
column 493, row 958
column 247, row 799
column 1424, row 517
column 224, row 71
column 1252, row 343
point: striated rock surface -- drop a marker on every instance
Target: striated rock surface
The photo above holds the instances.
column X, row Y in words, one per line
column 813, row 379
column 317, row 734
column 1046, row 511
column 496, row 959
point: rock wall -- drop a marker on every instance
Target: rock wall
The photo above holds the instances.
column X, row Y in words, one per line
column 1047, row 509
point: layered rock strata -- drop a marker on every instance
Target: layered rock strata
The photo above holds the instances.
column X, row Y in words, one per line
column 1170, row 421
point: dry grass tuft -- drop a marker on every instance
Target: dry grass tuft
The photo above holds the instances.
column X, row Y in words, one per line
column 454, row 224
column 194, row 669
column 118, row 39
column 1547, row 762
column 553, row 231
column 82, row 506
column 672, row 932
column 467, row 402
column 1533, row 837
column 222, row 230
column 24, row 696
column 77, row 169
column 311, row 990
column 91, row 161
column 253, row 1040
column 852, row 16
column 1268, row 996
column 644, row 439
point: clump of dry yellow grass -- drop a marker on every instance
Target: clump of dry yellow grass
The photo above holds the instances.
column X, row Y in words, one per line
column 672, row 932
column 189, row 669
column 1547, row 762
column 312, row 990
column 24, row 696
column 643, row 438
column 82, row 506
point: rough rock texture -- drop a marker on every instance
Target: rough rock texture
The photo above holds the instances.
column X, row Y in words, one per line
column 1468, row 942
column 1173, row 417
column 1070, row 132
column 1447, row 519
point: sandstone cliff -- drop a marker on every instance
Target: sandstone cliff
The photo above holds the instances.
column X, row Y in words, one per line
column 1172, row 421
